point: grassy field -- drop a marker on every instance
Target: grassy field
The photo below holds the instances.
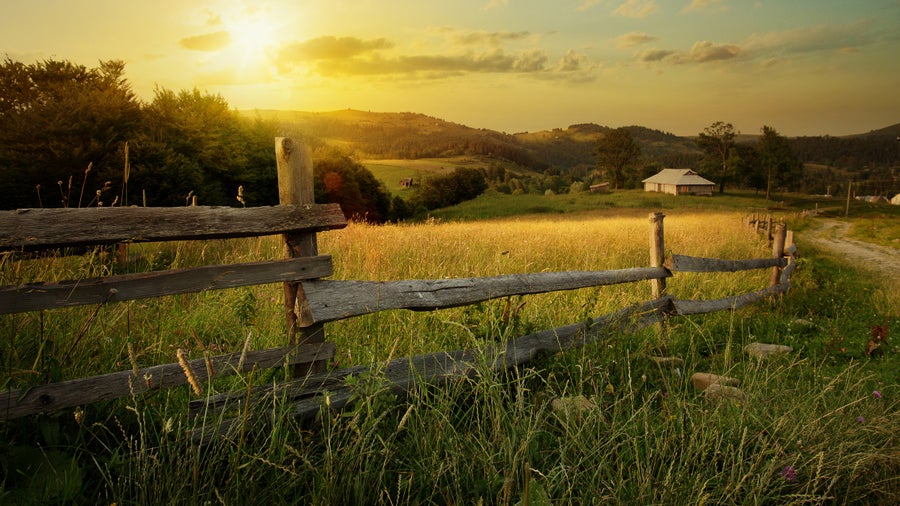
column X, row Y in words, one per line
column 390, row 172
column 819, row 425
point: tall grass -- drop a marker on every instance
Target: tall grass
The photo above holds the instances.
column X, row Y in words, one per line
column 813, row 429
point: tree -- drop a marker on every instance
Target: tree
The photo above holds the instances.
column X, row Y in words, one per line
column 58, row 119
column 340, row 179
column 717, row 140
column 781, row 165
column 615, row 152
column 193, row 143
column 450, row 189
column 745, row 165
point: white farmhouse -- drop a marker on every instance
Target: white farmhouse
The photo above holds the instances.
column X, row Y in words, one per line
column 679, row 182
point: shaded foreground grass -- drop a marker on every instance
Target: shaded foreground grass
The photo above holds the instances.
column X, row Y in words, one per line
column 820, row 425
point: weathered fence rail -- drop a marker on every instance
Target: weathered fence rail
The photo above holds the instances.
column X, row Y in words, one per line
column 310, row 301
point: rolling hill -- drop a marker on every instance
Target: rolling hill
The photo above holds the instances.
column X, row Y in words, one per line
column 409, row 135
column 414, row 136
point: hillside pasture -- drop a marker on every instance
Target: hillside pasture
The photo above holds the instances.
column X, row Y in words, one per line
column 390, row 172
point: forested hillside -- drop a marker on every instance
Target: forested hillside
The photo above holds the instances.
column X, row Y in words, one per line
column 411, row 135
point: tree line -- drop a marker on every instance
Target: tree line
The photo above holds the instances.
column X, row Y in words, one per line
column 73, row 136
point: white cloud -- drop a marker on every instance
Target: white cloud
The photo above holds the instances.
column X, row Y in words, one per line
column 809, row 39
column 705, row 5
column 632, row 39
column 636, row 8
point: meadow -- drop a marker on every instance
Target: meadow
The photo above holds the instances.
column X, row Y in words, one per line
column 819, row 425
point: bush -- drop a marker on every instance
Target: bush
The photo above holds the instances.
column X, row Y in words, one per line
column 442, row 191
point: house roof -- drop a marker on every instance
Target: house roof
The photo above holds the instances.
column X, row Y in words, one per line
column 684, row 177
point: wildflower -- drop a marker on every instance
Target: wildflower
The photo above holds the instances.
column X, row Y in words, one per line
column 877, row 394
column 861, row 419
column 789, row 473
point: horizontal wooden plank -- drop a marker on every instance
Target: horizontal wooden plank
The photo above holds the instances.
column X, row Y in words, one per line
column 333, row 300
column 37, row 296
column 66, row 394
column 684, row 263
column 403, row 374
column 31, row 229
column 686, row 307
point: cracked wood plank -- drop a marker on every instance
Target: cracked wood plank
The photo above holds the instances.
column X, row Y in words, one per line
column 331, row 300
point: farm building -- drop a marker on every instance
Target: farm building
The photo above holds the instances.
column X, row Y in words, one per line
column 679, row 182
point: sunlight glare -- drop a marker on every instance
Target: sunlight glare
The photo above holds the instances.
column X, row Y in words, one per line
column 252, row 37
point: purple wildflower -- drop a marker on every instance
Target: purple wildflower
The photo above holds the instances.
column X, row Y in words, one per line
column 860, row 419
column 789, row 473
column 877, row 394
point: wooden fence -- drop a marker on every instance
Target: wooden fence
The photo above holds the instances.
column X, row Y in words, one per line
column 311, row 301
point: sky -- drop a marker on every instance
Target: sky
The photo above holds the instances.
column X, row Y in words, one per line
column 803, row 67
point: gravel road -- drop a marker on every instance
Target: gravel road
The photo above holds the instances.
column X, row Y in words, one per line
column 832, row 235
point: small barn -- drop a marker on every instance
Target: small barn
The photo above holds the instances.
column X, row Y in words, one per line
column 679, row 182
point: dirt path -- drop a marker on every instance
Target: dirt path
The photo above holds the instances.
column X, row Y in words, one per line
column 832, row 235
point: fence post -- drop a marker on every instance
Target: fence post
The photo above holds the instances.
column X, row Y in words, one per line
column 779, row 237
column 657, row 252
column 295, row 187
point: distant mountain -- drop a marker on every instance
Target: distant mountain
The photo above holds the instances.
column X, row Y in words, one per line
column 891, row 131
column 408, row 135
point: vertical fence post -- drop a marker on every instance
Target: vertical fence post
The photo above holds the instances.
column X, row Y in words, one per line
column 779, row 237
column 295, row 187
column 657, row 252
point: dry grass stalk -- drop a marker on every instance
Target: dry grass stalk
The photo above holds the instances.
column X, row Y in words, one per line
column 188, row 372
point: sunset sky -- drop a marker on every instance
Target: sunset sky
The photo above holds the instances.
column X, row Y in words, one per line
column 804, row 67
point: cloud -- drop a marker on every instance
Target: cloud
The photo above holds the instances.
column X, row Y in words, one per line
column 706, row 51
column 437, row 65
column 632, row 39
column 489, row 38
column 207, row 42
column 587, row 5
column 704, row 5
column 571, row 61
column 330, row 47
column 702, row 51
column 810, row 39
column 636, row 8
column 653, row 55
column 774, row 48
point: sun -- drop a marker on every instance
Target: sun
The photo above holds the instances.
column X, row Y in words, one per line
column 252, row 37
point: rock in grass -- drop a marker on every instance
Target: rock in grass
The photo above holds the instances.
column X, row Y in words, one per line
column 703, row 380
column 572, row 405
column 669, row 361
column 718, row 393
column 765, row 350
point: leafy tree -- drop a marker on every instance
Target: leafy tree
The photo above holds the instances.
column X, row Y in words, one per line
column 446, row 190
column 744, row 160
column 342, row 180
column 615, row 152
column 781, row 165
column 62, row 130
column 192, row 143
column 717, row 140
